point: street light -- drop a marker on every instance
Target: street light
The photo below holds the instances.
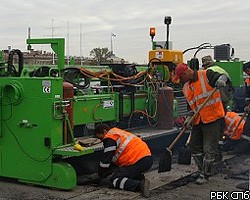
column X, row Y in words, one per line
column 112, row 35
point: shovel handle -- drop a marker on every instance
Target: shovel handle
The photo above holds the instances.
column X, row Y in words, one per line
column 189, row 138
column 177, row 138
column 190, row 121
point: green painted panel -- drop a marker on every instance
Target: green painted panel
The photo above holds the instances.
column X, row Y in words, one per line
column 96, row 108
column 68, row 150
column 140, row 103
column 235, row 71
column 26, row 123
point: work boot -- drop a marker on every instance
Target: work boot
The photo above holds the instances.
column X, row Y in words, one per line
column 145, row 187
column 201, row 180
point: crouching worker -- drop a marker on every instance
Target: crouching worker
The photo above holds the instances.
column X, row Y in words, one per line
column 234, row 126
column 234, row 134
column 125, row 158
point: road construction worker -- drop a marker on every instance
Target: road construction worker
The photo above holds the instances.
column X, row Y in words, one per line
column 234, row 126
column 125, row 159
column 236, row 132
column 198, row 85
column 226, row 92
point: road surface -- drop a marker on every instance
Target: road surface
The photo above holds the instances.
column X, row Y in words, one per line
column 232, row 176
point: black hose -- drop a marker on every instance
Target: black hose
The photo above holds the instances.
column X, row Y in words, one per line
column 76, row 78
column 11, row 70
column 203, row 47
column 44, row 71
column 192, row 48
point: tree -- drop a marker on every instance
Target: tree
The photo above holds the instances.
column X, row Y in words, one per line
column 100, row 54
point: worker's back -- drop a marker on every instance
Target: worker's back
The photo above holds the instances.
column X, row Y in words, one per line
column 234, row 125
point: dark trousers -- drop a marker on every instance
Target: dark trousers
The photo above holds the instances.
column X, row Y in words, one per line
column 130, row 177
column 204, row 145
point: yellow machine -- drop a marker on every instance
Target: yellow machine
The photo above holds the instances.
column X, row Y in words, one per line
column 161, row 57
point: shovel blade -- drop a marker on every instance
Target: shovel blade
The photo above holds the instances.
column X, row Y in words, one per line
column 165, row 161
column 184, row 156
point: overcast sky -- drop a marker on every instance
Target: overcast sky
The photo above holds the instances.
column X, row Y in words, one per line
column 193, row 22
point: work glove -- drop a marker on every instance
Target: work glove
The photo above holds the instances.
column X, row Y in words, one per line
column 221, row 82
column 188, row 118
column 179, row 122
column 247, row 109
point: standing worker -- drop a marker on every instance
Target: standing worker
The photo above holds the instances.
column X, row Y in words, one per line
column 125, row 159
column 226, row 93
column 207, row 124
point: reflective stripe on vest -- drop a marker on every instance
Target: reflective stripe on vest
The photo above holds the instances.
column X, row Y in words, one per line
column 204, row 94
column 120, row 148
column 196, row 93
column 231, row 121
column 129, row 149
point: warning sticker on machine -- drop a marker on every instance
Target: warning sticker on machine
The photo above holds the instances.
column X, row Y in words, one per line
column 159, row 55
column 46, row 84
column 108, row 104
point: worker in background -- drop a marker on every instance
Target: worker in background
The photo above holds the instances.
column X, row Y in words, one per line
column 207, row 124
column 234, row 126
column 125, row 159
column 236, row 136
column 226, row 92
column 246, row 69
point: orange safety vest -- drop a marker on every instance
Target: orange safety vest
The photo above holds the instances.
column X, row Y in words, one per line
column 130, row 148
column 196, row 93
column 232, row 119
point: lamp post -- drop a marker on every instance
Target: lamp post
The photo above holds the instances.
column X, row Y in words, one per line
column 112, row 51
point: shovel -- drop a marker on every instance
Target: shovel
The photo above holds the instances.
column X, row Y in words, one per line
column 165, row 161
column 184, row 155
